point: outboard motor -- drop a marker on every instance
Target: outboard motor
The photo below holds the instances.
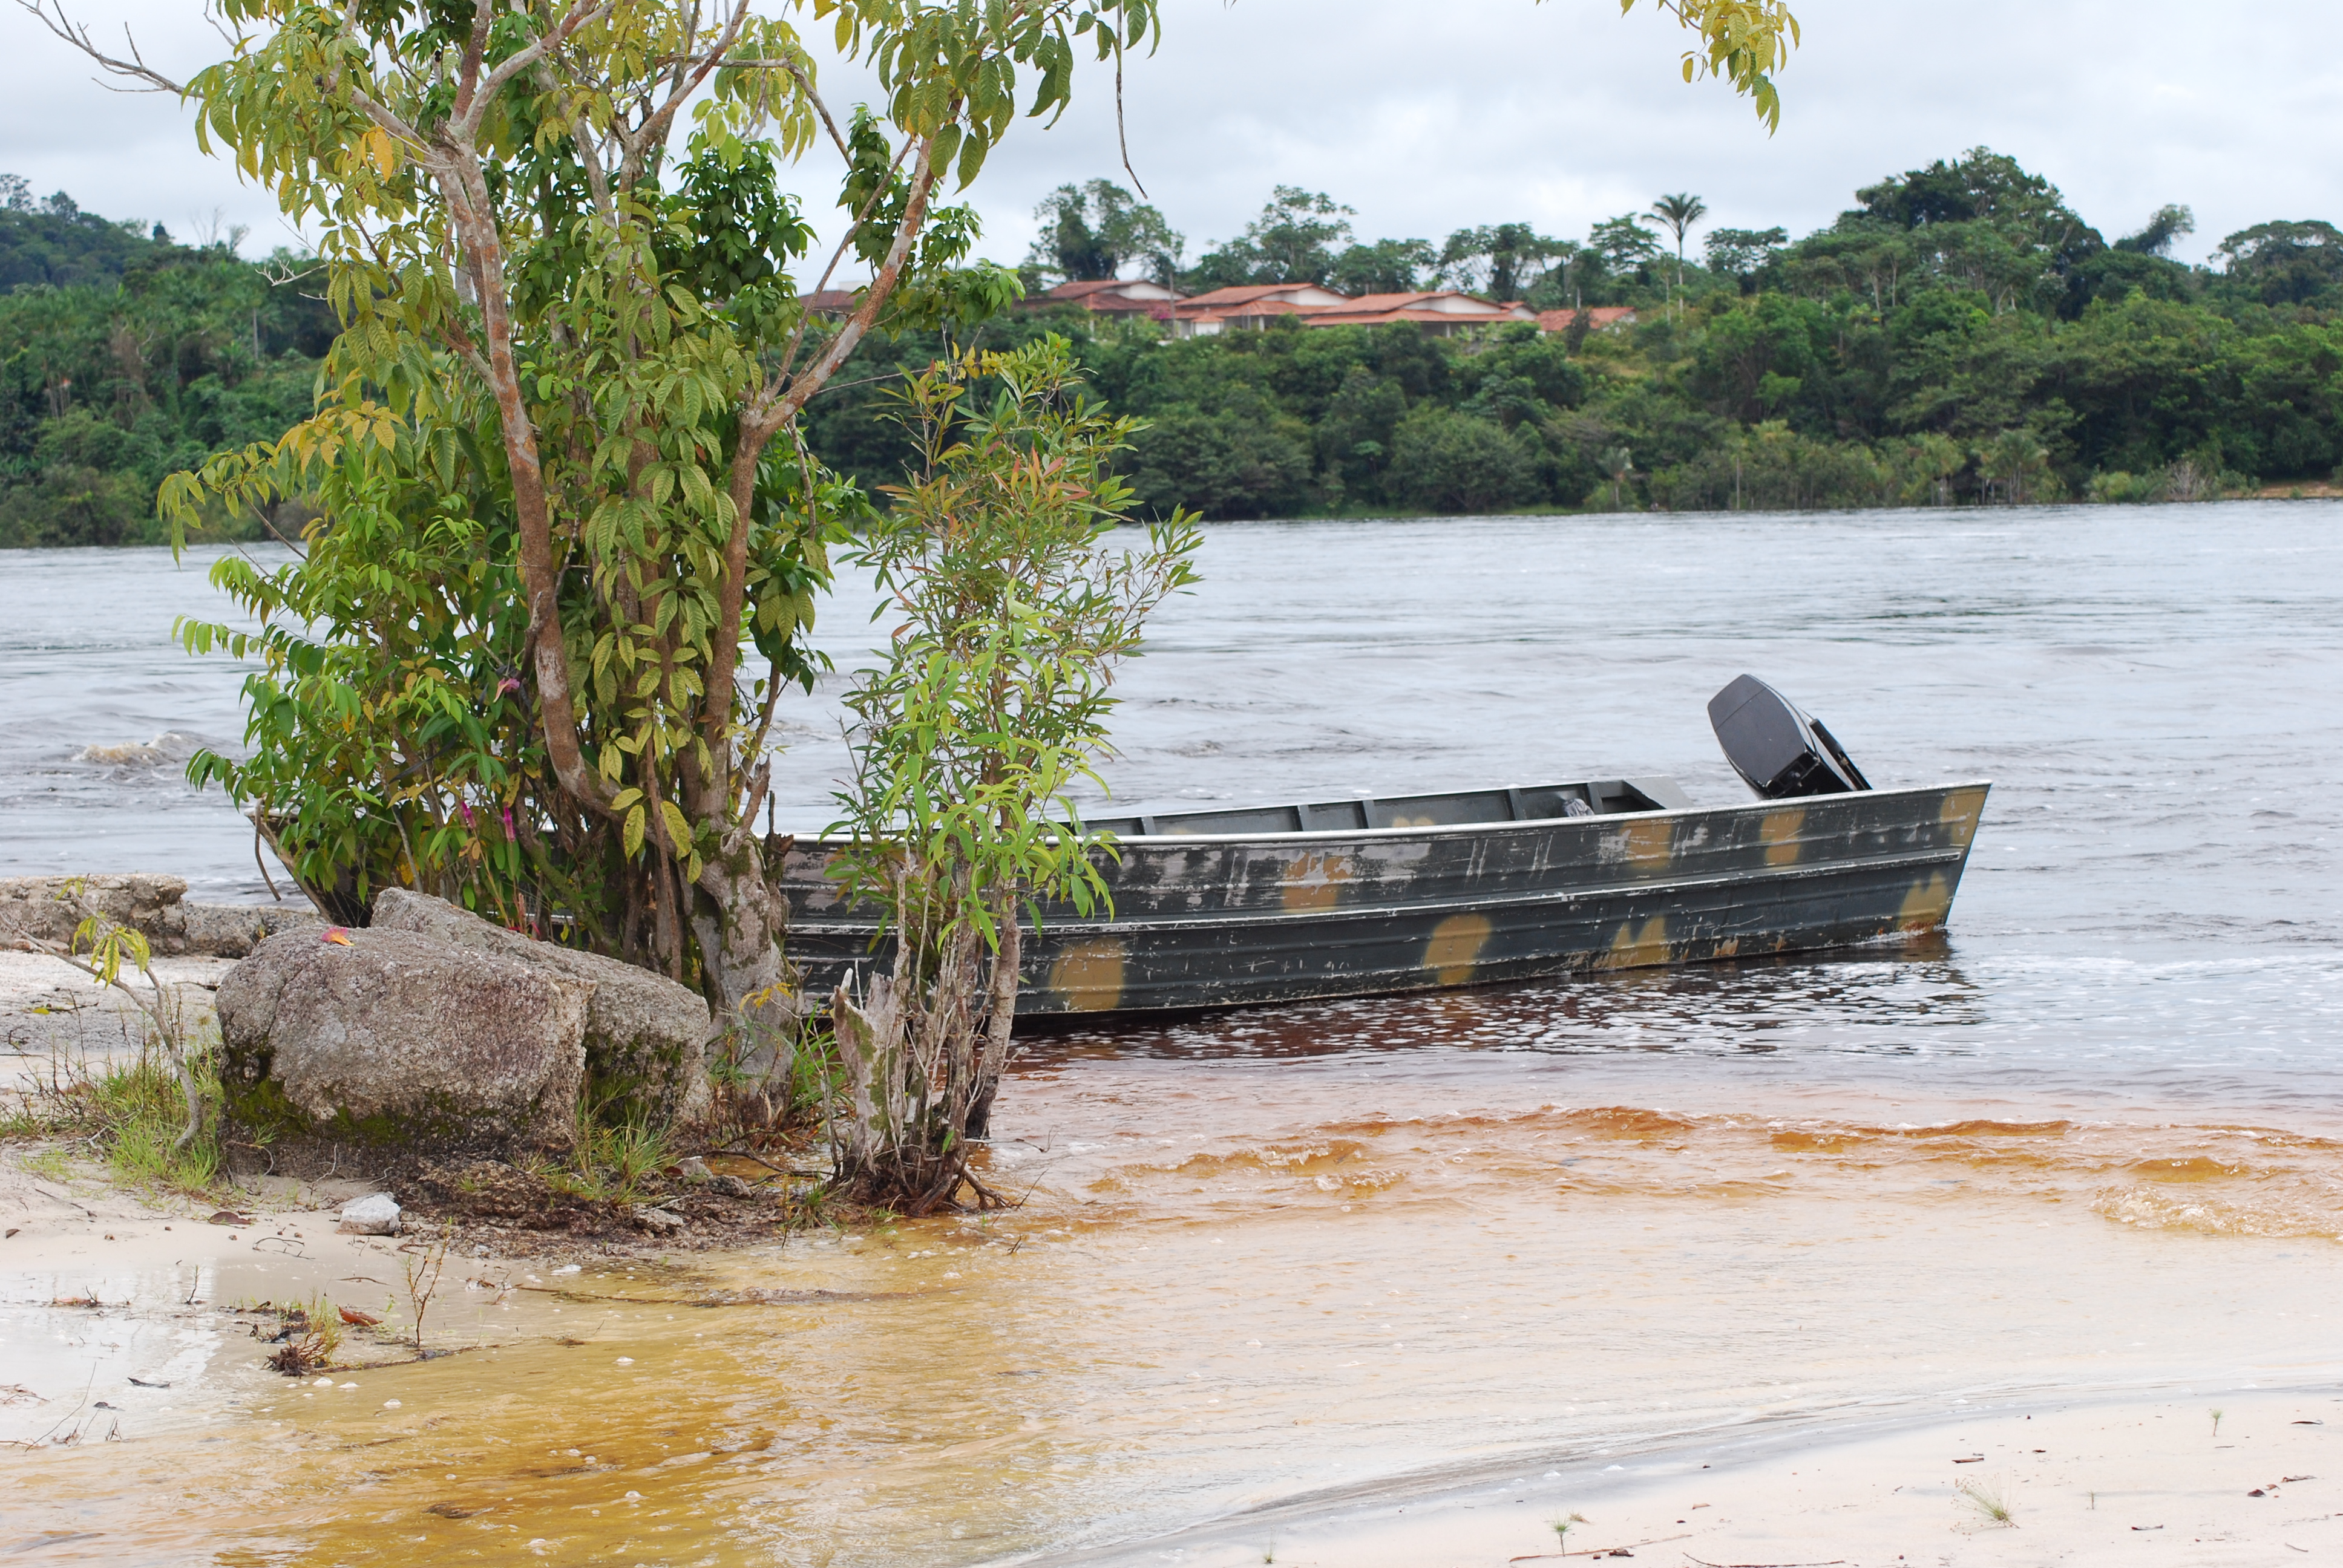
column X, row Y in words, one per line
column 1778, row 750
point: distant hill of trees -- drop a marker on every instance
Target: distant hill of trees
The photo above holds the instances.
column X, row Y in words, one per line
column 1959, row 336
column 124, row 356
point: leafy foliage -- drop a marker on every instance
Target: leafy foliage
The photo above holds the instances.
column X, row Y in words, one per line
column 1009, row 609
column 1093, row 231
column 124, row 358
column 1296, row 239
column 578, row 349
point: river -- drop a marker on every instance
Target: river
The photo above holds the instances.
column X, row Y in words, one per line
column 2087, row 1142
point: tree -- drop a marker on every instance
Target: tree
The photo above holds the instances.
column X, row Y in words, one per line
column 1680, row 212
column 1011, row 610
column 1296, row 239
column 1093, row 231
column 1452, row 462
column 2284, row 262
column 598, row 335
column 1623, row 242
column 1740, row 253
column 1385, row 266
column 2155, row 238
column 1504, row 260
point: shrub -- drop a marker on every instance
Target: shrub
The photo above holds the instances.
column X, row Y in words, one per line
column 1449, row 462
column 1234, row 464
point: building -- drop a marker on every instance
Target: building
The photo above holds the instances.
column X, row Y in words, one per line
column 1442, row 313
column 1601, row 318
column 1250, row 306
column 1125, row 296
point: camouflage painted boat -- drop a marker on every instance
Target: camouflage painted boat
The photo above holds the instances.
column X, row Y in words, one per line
column 1369, row 897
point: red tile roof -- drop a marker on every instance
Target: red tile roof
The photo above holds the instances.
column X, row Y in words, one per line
column 1247, row 294
column 1449, row 305
column 1599, row 316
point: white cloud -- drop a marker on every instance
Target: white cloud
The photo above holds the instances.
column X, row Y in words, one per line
column 1430, row 117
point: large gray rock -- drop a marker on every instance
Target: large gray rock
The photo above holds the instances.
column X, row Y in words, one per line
column 35, row 910
column 647, row 1038
column 390, row 1040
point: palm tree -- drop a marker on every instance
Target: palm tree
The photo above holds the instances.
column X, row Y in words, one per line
column 1680, row 212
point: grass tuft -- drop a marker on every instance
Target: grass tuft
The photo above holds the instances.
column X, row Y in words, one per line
column 134, row 1112
column 312, row 1336
column 616, row 1163
column 1986, row 1500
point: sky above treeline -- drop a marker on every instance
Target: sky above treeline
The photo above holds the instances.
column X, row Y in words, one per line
column 1428, row 115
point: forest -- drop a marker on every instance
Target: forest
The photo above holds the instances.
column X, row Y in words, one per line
column 1959, row 336
column 126, row 355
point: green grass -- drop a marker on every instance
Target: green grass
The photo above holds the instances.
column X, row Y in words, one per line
column 134, row 1111
column 616, row 1163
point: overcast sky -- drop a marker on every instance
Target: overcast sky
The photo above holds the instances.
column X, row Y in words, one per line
column 1430, row 115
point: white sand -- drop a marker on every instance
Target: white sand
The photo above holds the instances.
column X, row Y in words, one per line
column 53, row 1016
column 2136, row 1481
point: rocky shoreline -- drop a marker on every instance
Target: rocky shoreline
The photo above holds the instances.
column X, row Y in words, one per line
column 37, row 910
column 433, row 1056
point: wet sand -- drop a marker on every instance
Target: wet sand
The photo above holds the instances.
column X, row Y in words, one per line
column 1258, row 1305
column 2112, row 1482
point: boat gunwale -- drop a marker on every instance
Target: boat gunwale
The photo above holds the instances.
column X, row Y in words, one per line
column 1915, row 858
column 1434, row 830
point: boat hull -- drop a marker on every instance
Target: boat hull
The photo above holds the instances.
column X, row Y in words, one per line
column 1205, row 922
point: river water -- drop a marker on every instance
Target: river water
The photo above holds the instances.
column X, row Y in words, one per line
column 2087, row 1142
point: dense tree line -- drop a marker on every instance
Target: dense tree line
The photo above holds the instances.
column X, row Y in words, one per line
column 1960, row 335
column 125, row 356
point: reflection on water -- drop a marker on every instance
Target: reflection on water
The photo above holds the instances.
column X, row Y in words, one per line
column 2086, row 1140
column 1750, row 1005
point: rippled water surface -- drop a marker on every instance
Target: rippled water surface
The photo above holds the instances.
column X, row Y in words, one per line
column 2088, row 1139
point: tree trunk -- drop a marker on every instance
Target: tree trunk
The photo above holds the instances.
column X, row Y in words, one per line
column 739, row 919
column 993, row 1056
column 871, row 1049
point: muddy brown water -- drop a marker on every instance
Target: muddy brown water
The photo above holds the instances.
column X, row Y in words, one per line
column 2085, row 1142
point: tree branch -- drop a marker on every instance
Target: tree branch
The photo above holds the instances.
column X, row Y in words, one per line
column 476, row 49
column 766, row 413
column 465, row 124
column 652, row 131
column 135, row 67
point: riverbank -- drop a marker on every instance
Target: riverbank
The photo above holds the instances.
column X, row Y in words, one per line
column 2110, row 1482
column 1258, row 1303
column 2085, row 1150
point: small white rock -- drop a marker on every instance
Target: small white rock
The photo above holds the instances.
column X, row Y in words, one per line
column 376, row 1214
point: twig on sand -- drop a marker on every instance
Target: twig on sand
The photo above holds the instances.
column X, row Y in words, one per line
column 1827, row 1563
column 1597, row 1550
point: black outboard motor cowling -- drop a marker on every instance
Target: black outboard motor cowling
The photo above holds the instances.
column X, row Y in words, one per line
column 1778, row 751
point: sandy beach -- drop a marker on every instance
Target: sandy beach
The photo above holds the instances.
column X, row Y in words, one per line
column 2095, row 1485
